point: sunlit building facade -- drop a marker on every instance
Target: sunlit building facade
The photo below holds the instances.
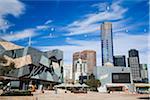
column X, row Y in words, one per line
column 107, row 43
column 87, row 58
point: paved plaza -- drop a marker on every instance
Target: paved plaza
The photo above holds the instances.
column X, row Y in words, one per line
column 50, row 95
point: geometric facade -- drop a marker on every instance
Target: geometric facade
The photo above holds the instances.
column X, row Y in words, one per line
column 31, row 63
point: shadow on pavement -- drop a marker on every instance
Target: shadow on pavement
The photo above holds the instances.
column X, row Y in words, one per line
column 145, row 98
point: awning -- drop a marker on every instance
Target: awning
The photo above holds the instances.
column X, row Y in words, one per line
column 142, row 85
column 61, row 85
column 71, row 85
column 115, row 85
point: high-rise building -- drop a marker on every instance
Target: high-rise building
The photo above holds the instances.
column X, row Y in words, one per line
column 76, row 56
column 120, row 60
column 90, row 57
column 144, row 72
column 80, row 69
column 86, row 56
column 134, row 64
column 107, row 43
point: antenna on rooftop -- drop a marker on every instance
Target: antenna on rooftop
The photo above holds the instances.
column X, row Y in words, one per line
column 29, row 43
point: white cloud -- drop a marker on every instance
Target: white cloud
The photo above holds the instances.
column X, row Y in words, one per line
column 16, row 8
column 120, row 26
column 49, row 36
column 19, row 35
column 90, row 22
column 26, row 33
column 12, row 7
column 42, row 27
column 83, row 29
column 48, row 21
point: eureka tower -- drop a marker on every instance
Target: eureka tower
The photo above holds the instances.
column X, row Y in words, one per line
column 107, row 43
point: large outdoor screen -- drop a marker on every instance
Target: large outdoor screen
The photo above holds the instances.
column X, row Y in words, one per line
column 121, row 78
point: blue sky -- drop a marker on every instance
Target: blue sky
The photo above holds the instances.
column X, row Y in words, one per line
column 75, row 25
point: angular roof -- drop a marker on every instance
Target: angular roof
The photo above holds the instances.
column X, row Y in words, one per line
column 8, row 45
column 2, row 39
column 55, row 53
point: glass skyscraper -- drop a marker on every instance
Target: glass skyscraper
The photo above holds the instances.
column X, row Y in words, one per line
column 107, row 43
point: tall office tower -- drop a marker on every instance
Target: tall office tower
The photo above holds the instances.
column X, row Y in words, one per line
column 80, row 69
column 120, row 60
column 107, row 44
column 76, row 56
column 86, row 56
column 134, row 64
column 144, row 72
column 90, row 57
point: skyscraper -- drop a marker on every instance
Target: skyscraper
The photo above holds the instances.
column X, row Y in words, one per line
column 80, row 69
column 134, row 64
column 107, row 43
column 120, row 60
column 90, row 57
column 86, row 56
column 76, row 56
